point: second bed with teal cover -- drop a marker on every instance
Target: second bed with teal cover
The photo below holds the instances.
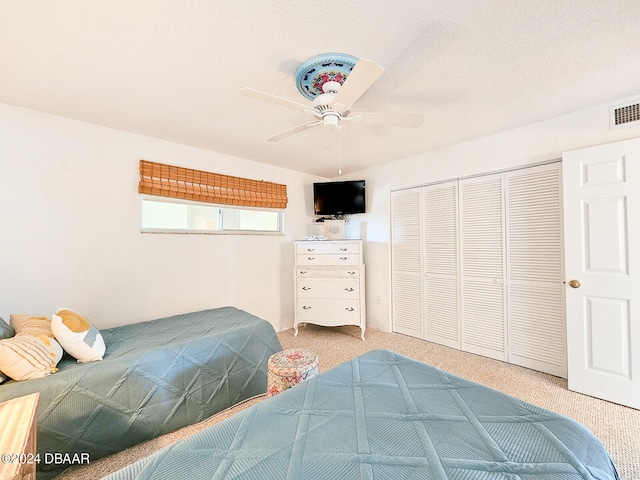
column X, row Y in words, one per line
column 385, row 416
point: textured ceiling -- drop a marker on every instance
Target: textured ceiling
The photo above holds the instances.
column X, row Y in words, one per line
column 172, row 69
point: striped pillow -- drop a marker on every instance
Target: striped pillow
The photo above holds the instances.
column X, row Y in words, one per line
column 24, row 357
column 30, row 325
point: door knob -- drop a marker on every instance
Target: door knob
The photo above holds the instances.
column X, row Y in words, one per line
column 574, row 283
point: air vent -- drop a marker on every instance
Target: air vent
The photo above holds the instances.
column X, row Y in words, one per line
column 624, row 115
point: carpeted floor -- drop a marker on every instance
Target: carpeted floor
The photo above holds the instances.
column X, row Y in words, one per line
column 617, row 427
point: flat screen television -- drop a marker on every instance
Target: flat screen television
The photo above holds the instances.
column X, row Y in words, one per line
column 339, row 198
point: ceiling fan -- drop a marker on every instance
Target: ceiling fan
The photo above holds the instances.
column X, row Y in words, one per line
column 334, row 82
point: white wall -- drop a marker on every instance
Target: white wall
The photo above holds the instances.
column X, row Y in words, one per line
column 536, row 143
column 69, row 219
column 70, row 236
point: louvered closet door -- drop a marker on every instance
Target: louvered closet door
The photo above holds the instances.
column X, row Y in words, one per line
column 535, row 289
column 406, row 262
column 482, row 266
column 440, row 257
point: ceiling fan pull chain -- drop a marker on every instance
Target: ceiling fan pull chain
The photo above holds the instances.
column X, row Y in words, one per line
column 340, row 152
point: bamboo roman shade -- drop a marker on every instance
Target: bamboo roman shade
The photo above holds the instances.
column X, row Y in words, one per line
column 177, row 182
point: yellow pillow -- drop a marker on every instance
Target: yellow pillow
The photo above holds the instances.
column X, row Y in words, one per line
column 24, row 357
column 30, row 325
column 77, row 335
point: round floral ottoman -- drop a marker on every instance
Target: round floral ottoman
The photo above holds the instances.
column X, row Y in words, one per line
column 289, row 368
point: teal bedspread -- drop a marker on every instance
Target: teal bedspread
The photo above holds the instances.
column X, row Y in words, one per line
column 156, row 376
column 385, row 416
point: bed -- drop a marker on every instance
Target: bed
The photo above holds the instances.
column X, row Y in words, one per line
column 156, row 377
column 385, row 416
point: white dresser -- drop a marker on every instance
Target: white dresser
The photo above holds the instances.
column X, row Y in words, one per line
column 329, row 283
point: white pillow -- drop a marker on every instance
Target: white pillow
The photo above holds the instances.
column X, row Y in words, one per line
column 77, row 335
column 24, row 357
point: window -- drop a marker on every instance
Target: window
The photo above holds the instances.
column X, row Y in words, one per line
column 182, row 200
column 171, row 215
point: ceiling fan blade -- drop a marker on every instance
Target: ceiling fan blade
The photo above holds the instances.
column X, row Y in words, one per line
column 363, row 75
column 293, row 131
column 409, row 120
column 267, row 97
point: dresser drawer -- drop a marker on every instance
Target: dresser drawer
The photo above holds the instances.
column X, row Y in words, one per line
column 332, row 288
column 328, row 272
column 329, row 312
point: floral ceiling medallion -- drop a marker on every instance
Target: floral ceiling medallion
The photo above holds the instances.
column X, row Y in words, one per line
column 326, row 67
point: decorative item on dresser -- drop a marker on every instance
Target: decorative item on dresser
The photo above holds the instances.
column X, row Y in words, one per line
column 334, row 229
column 329, row 283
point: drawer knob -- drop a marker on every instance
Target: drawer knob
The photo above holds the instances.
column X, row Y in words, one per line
column 343, row 249
column 343, row 258
column 350, row 289
column 311, row 249
column 306, row 288
column 304, row 307
column 351, row 273
column 349, row 309
column 304, row 272
column 311, row 258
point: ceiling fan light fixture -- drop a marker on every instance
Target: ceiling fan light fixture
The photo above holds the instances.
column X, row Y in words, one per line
column 332, row 121
column 331, row 86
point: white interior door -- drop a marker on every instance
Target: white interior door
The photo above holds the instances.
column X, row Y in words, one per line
column 601, row 190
